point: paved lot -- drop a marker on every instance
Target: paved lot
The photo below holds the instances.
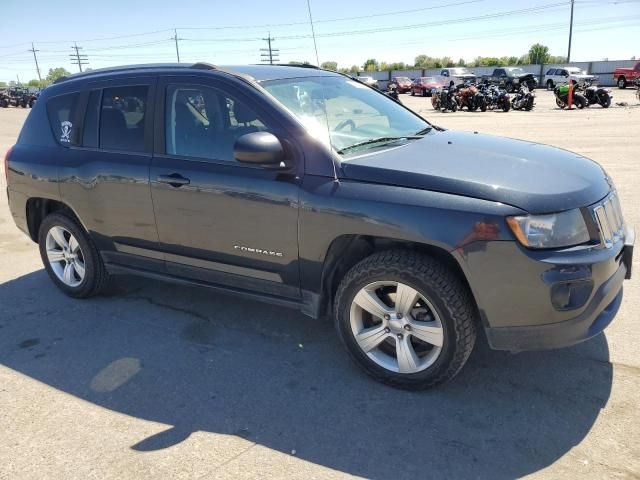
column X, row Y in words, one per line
column 159, row 381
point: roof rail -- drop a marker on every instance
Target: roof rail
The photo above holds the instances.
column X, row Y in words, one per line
column 300, row 65
column 203, row 66
column 148, row 66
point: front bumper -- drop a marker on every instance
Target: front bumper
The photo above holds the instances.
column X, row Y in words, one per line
column 542, row 300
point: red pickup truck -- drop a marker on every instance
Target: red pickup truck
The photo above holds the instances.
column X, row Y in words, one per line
column 625, row 76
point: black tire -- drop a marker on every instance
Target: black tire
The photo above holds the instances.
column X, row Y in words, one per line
column 96, row 275
column 413, row 94
column 622, row 83
column 580, row 101
column 509, row 87
column 424, row 92
column 529, row 105
column 550, row 85
column 605, row 101
column 560, row 103
column 436, row 282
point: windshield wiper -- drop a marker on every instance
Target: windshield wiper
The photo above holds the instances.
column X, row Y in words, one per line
column 379, row 140
column 424, row 131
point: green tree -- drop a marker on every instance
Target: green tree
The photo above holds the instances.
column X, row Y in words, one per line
column 371, row 65
column 354, row 69
column 37, row 83
column 538, row 54
column 56, row 73
column 3, row 84
column 329, row 66
column 461, row 63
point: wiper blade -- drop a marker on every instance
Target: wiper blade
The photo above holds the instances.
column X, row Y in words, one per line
column 424, row 131
column 379, row 140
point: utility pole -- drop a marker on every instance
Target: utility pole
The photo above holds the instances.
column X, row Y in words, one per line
column 78, row 58
column 313, row 33
column 269, row 54
column 33, row 50
column 570, row 32
column 175, row 38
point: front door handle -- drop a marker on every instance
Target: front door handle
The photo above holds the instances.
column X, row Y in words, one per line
column 175, row 180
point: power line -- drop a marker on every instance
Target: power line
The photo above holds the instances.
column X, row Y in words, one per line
column 78, row 58
column 570, row 33
column 272, row 53
column 35, row 58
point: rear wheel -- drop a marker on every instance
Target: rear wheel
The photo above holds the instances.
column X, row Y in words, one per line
column 549, row 85
column 580, row 101
column 424, row 92
column 529, row 105
column 622, row 82
column 70, row 256
column 560, row 103
column 405, row 319
column 605, row 101
column 413, row 94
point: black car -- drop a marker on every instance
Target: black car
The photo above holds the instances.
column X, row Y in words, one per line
column 511, row 78
column 304, row 188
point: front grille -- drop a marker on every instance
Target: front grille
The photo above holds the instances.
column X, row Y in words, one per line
column 608, row 215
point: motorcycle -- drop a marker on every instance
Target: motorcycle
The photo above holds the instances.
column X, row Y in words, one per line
column 393, row 93
column 524, row 99
column 561, row 93
column 445, row 99
column 637, row 84
column 495, row 97
column 597, row 95
column 469, row 96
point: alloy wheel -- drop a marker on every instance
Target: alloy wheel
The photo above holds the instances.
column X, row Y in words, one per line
column 65, row 256
column 396, row 326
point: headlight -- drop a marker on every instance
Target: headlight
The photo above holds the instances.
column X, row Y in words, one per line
column 555, row 230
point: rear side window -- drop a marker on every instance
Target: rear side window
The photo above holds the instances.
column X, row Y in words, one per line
column 61, row 111
column 122, row 118
column 551, row 71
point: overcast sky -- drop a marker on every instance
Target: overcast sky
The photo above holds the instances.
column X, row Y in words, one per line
column 228, row 32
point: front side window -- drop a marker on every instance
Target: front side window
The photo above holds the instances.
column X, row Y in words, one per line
column 205, row 122
column 343, row 113
column 122, row 118
column 61, row 111
column 551, row 71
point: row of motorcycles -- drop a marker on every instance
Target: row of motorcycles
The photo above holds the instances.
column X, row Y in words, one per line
column 583, row 95
column 481, row 97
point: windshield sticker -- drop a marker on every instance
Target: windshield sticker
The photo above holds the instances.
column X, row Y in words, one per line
column 66, row 127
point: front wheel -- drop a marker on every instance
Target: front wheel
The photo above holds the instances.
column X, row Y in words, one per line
column 70, row 256
column 560, row 103
column 549, row 85
column 406, row 319
column 605, row 101
column 580, row 101
column 622, row 82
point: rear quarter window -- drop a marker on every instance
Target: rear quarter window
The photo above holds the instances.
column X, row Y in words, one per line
column 61, row 111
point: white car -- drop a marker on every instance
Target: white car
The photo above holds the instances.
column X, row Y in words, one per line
column 372, row 82
column 561, row 75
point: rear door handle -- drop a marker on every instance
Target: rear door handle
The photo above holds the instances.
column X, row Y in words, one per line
column 175, row 180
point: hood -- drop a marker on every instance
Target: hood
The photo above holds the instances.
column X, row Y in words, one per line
column 523, row 75
column 534, row 177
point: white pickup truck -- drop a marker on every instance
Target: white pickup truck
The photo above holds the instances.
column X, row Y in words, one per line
column 561, row 75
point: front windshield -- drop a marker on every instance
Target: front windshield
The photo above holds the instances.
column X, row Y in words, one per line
column 343, row 113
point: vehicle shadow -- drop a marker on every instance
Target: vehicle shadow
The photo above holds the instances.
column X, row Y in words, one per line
column 200, row 361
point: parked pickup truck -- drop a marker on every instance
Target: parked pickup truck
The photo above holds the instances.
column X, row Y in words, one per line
column 558, row 76
column 511, row 78
column 625, row 76
column 459, row 75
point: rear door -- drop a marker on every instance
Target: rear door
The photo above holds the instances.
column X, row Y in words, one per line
column 219, row 220
column 106, row 179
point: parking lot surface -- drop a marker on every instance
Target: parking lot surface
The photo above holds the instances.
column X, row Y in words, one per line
column 153, row 380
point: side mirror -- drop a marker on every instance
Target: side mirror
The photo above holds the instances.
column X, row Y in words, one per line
column 259, row 148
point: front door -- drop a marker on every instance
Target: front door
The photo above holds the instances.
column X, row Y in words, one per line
column 218, row 220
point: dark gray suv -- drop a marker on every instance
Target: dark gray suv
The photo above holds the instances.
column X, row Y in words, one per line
column 305, row 188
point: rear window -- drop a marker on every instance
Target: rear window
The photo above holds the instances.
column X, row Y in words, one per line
column 122, row 118
column 62, row 111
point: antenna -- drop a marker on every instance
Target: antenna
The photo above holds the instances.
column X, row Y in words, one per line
column 313, row 33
